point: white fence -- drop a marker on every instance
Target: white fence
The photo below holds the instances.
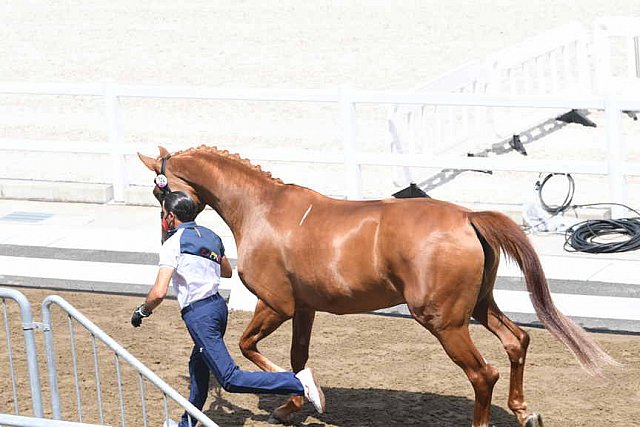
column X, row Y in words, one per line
column 350, row 155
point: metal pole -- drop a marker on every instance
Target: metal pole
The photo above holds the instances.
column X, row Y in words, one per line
column 12, row 371
column 30, row 347
column 51, row 362
column 615, row 155
column 96, row 367
column 119, row 377
column 74, row 359
column 349, row 139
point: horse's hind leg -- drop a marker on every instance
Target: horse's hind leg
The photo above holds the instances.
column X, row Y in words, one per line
column 515, row 341
column 458, row 345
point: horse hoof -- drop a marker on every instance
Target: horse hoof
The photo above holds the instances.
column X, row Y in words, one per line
column 534, row 420
column 274, row 419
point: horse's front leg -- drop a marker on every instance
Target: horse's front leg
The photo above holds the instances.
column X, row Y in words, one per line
column 264, row 322
column 302, row 325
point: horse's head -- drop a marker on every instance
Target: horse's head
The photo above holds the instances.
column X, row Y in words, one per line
column 168, row 178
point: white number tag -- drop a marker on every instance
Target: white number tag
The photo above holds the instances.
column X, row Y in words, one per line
column 161, row 181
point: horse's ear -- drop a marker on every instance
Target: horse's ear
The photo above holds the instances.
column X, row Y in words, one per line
column 163, row 152
column 149, row 162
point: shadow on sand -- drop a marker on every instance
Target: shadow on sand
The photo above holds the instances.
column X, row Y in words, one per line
column 363, row 407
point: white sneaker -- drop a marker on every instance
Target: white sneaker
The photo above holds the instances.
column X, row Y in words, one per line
column 312, row 390
column 169, row 423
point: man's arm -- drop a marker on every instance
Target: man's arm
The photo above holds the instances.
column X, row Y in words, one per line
column 225, row 268
column 159, row 289
column 154, row 297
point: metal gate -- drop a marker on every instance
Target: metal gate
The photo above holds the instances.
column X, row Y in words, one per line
column 88, row 399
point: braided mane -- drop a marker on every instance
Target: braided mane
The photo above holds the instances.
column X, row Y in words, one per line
column 232, row 156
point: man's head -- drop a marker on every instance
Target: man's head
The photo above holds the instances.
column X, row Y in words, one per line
column 177, row 207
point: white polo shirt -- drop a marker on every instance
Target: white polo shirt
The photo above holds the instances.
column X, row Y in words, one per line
column 194, row 252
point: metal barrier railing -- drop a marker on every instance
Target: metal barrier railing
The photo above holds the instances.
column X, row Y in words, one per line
column 30, row 350
column 17, row 421
column 119, row 354
column 81, row 377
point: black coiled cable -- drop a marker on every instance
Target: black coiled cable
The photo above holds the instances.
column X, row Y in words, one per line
column 566, row 204
column 583, row 237
column 587, row 236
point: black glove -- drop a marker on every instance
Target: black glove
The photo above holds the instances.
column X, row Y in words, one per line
column 138, row 315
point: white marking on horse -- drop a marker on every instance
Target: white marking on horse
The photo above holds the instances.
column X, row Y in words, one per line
column 305, row 215
column 339, row 242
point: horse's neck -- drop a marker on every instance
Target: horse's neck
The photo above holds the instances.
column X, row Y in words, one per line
column 242, row 208
column 239, row 196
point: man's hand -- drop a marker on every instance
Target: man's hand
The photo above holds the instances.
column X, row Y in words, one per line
column 138, row 315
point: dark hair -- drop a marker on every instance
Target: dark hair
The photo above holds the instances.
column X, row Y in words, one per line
column 181, row 205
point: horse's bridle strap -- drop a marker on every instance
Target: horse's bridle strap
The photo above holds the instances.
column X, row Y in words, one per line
column 161, row 180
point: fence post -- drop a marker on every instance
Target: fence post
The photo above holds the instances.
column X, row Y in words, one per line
column 349, row 139
column 114, row 129
column 615, row 155
column 30, row 348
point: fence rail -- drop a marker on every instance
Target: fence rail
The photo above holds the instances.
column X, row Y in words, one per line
column 350, row 155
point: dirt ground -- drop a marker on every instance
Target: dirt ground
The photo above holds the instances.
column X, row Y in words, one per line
column 375, row 371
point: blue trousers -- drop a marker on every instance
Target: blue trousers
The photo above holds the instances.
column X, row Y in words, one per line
column 206, row 321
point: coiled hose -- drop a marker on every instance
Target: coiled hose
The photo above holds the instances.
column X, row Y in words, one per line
column 597, row 236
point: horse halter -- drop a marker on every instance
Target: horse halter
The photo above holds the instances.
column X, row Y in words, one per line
column 162, row 184
column 161, row 180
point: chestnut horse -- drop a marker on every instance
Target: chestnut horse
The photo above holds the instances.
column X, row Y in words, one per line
column 300, row 252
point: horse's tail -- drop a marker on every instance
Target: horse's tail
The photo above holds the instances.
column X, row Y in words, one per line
column 501, row 232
